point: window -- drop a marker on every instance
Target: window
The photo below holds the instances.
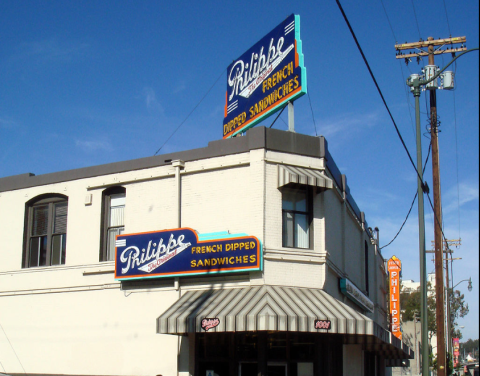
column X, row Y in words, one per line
column 113, row 220
column 296, row 217
column 46, row 231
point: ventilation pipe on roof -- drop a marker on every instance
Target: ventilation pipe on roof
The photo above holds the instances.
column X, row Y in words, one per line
column 178, row 164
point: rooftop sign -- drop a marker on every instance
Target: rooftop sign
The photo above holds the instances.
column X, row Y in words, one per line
column 265, row 78
column 181, row 252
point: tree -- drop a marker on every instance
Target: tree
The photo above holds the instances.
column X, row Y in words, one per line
column 458, row 308
column 410, row 303
column 470, row 346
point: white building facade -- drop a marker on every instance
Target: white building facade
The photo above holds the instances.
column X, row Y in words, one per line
column 316, row 306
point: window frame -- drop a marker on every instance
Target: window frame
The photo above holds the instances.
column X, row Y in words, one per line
column 309, row 213
column 105, row 217
column 50, row 200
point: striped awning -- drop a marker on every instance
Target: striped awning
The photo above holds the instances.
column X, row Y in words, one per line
column 301, row 175
column 262, row 308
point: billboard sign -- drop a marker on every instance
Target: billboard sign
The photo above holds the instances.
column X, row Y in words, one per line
column 182, row 252
column 394, row 268
column 265, row 78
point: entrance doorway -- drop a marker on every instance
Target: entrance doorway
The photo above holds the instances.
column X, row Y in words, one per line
column 276, row 369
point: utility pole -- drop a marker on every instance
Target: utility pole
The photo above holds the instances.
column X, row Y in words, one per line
column 430, row 71
column 448, row 243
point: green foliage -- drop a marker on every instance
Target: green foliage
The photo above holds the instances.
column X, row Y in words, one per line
column 458, row 308
column 410, row 303
column 470, row 346
column 433, row 363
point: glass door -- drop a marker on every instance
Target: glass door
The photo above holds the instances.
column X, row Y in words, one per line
column 277, row 369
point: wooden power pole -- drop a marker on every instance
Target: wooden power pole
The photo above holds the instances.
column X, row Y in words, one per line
column 430, row 71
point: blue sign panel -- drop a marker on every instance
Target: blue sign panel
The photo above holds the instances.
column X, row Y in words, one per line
column 181, row 252
column 265, row 78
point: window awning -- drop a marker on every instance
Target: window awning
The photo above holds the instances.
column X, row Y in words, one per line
column 262, row 308
column 275, row 308
column 301, row 175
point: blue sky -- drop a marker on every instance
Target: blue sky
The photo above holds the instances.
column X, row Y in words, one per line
column 87, row 83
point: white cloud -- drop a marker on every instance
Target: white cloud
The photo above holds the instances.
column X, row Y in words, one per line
column 7, row 123
column 180, row 87
column 89, row 146
column 51, row 50
column 466, row 193
column 151, row 99
column 334, row 125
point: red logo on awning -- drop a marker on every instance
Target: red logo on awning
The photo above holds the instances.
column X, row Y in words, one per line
column 210, row 323
column 323, row 324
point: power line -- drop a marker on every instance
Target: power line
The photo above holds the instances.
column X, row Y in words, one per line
column 277, row 116
column 423, row 185
column 411, row 206
column 191, row 112
column 3, row 330
column 388, row 19
column 456, row 155
column 401, row 69
column 416, row 21
column 381, row 95
column 446, row 14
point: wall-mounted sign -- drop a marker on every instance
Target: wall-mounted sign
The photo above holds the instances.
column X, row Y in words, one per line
column 210, row 323
column 180, row 252
column 265, row 78
column 323, row 324
column 394, row 267
column 352, row 292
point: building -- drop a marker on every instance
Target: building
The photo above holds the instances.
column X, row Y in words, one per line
column 315, row 304
column 410, row 286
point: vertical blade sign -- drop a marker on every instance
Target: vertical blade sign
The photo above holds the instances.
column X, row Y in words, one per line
column 394, row 269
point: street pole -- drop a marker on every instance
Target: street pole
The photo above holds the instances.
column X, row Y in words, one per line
column 421, row 238
column 416, row 342
column 448, row 298
column 440, row 307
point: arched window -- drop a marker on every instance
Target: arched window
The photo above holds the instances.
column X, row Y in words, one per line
column 45, row 231
column 113, row 223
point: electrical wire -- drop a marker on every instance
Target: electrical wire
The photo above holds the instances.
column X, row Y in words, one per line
column 388, row 19
column 278, row 116
column 456, row 156
column 191, row 112
column 3, row 330
column 381, row 95
column 411, row 206
column 446, row 14
column 416, row 21
column 313, row 117
column 423, row 185
column 401, row 69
